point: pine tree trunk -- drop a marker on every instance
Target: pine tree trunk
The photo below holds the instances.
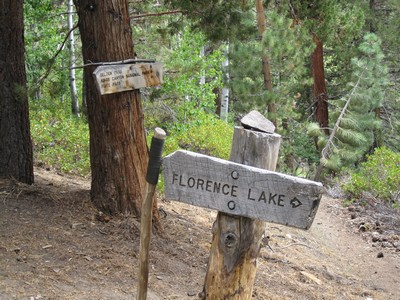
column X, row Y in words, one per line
column 261, row 24
column 371, row 23
column 118, row 150
column 320, row 95
column 16, row 159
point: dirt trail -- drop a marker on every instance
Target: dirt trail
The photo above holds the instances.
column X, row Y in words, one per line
column 55, row 245
column 353, row 254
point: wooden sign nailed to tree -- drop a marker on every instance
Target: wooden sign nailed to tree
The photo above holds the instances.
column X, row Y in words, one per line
column 241, row 190
column 126, row 77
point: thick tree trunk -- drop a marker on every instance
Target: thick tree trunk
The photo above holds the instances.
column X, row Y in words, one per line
column 320, row 95
column 15, row 142
column 118, row 150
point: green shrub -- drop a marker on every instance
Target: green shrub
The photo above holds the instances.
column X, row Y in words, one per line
column 195, row 130
column 60, row 140
column 379, row 175
column 204, row 134
column 207, row 135
column 297, row 155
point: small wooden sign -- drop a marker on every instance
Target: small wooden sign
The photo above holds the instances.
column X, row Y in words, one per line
column 242, row 190
column 126, row 77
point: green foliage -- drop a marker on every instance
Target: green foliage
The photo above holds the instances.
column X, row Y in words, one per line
column 287, row 48
column 247, row 83
column 45, row 30
column 288, row 44
column 379, row 175
column 206, row 134
column 185, row 68
column 219, row 20
column 183, row 105
column 298, row 156
column 384, row 21
column 60, row 140
column 332, row 21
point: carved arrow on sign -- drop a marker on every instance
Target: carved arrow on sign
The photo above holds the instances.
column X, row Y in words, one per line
column 295, row 202
column 242, row 190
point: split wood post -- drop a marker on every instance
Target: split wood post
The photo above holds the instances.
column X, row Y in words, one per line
column 236, row 240
column 153, row 170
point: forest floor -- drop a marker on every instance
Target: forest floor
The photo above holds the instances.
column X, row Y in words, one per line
column 55, row 245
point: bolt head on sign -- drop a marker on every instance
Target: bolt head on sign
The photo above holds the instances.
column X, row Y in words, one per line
column 126, row 77
column 242, row 190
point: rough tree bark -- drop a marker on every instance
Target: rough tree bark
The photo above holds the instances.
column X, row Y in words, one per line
column 118, row 149
column 320, row 96
column 15, row 141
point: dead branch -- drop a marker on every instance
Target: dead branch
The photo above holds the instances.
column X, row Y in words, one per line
column 156, row 14
column 120, row 62
column 53, row 59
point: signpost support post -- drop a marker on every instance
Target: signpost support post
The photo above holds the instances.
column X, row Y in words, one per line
column 153, row 171
column 246, row 191
column 236, row 240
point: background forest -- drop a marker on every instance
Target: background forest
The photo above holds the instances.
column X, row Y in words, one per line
column 325, row 72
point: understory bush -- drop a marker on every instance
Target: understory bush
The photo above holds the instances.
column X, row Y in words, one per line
column 298, row 156
column 379, row 176
column 60, row 139
column 204, row 134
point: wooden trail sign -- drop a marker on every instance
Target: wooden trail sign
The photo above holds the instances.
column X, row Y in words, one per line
column 126, row 77
column 242, row 190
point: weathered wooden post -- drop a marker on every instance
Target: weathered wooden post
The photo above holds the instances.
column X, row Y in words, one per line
column 243, row 193
column 236, row 239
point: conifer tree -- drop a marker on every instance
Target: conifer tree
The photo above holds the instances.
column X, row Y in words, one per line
column 384, row 21
column 219, row 20
column 288, row 49
column 353, row 132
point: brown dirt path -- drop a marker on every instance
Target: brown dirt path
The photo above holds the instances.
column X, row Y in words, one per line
column 55, row 245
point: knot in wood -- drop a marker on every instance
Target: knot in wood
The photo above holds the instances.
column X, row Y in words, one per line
column 230, row 239
column 91, row 7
